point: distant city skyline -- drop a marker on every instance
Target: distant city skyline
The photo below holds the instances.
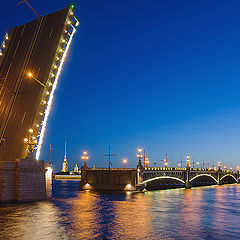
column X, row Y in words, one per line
column 161, row 75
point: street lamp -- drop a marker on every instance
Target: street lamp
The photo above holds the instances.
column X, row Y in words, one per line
column 139, row 155
column 197, row 164
column 31, row 141
column 31, row 76
column 165, row 161
column 219, row 165
column 84, row 157
column 124, row 163
column 188, row 161
column 146, row 161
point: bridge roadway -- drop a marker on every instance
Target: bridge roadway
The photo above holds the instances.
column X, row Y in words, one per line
column 161, row 177
column 152, row 178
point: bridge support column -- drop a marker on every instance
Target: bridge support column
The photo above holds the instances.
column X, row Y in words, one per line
column 140, row 169
column 237, row 176
column 218, row 177
column 188, row 185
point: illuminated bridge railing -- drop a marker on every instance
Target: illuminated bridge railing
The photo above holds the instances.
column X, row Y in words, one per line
column 184, row 169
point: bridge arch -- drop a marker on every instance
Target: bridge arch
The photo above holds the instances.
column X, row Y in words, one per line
column 163, row 177
column 207, row 175
column 228, row 175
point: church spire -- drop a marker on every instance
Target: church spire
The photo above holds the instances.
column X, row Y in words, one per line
column 65, row 157
column 65, row 164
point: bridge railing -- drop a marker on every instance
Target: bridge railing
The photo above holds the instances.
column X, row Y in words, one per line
column 184, row 169
column 118, row 169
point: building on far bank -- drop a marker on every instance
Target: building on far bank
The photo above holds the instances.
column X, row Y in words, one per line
column 76, row 168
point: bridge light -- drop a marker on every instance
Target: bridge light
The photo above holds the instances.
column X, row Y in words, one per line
column 87, row 186
column 30, row 130
column 84, row 158
column 188, row 161
column 25, row 140
column 124, row 162
column 47, row 111
column 146, row 161
column 72, row 6
column 29, row 74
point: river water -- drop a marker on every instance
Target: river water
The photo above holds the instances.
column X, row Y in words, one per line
column 199, row 213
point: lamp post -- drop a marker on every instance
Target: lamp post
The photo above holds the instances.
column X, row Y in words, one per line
column 187, row 173
column 197, row 164
column 166, row 161
column 31, row 76
column 219, row 165
column 166, row 164
column 85, row 158
column 139, row 155
column 146, row 161
column 188, row 161
column 124, row 163
column 31, row 141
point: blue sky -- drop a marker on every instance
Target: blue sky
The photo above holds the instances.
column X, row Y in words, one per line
column 163, row 75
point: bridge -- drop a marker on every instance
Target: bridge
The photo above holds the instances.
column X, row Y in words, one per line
column 153, row 178
column 166, row 177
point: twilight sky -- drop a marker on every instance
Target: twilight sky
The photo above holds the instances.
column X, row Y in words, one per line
column 163, row 75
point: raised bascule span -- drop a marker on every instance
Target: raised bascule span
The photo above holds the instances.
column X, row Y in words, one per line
column 31, row 59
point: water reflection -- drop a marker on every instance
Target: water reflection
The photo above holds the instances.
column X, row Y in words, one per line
column 25, row 221
column 133, row 218
column 200, row 213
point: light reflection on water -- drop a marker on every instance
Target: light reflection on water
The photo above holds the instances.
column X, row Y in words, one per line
column 200, row 213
